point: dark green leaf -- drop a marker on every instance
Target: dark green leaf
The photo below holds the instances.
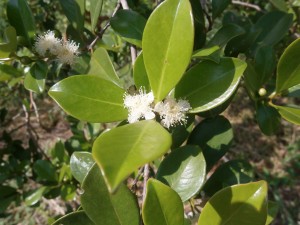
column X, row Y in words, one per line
column 241, row 204
column 45, row 171
column 214, row 137
column 162, row 205
column 90, row 98
column 219, row 80
column 291, row 114
column 280, row 4
column 10, row 42
column 268, row 119
column 230, row 173
column 74, row 218
column 133, row 146
column 35, row 196
column 80, row 164
column 95, row 10
column 102, row 66
column 74, row 10
column 129, row 25
column 104, row 208
column 21, row 18
column 184, row 170
column 288, row 69
column 218, row 6
column 273, row 209
column 168, row 45
column 35, row 79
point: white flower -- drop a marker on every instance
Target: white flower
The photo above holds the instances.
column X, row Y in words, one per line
column 139, row 106
column 47, row 42
column 172, row 112
column 68, row 52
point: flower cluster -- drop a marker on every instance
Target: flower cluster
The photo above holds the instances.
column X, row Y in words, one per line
column 171, row 112
column 64, row 51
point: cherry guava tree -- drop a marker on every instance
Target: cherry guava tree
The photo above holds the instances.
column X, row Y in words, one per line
column 188, row 59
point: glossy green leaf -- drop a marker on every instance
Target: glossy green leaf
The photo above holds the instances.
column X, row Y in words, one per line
column 35, row 196
column 129, row 25
column 230, row 173
column 181, row 132
column 80, row 164
column 241, row 204
column 205, row 51
column 10, row 42
column 264, row 63
column 35, row 79
column 90, row 98
column 273, row 209
column 214, row 137
column 291, row 114
column 95, row 10
column 218, row 6
column 280, row 4
column 292, row 92
column 104, row 208
column 74, row 218
column 74, row 10
column 184, row 170
column 167, row 45
column 273, row 26
column 162, row 205
column 288, row 69
column 140, row 74
column 269, row 120
column 225, row 34
column 219, row 80
column 199, row 24
column 133, row 146
column 102, row 66
column 20, row 17
column 45, row 171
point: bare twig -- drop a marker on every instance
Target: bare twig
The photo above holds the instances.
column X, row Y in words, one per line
column 132, row 48
column 32, row 103
column 107, row 25
column 209, row 20
column 133, row 187
column 246, row 4
column 146, row 177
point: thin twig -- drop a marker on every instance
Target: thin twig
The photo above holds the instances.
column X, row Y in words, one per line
column 246, row 4
column 133, row 187
column 32, row 102
column 146, row 177
column 132, row 48
column 209, row 20
column 107, row 25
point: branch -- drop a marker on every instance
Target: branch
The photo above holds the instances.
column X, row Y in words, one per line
column 107, row 25
column 246, row 4
column 146, row 177
column 132, row 48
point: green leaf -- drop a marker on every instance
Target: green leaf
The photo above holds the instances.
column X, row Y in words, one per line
column 95, row 10
column 104, row 208
column 102, row 66
column 280, row 4
column 133, row 146
column 181, row 132
column 168, row 45
column 291, row 92
column 225, row 34
column 74, row 218
column 273, row 209
column 162, row 205
column 242, row 204
column 68, row 192
column 264, row 63
column 45, row 171
column 219, row 80
column 291, row 114
column 10, row 42
column 129, row 25
column 140, row 74
column 199, row 24
column 230, row 173
column 205, row 51
column 273, row 26
column 35, row 79
column 268, row 119
column 21, row 18
column 184, row 170
column 288, row 68
column 218, row 6
column 214, row 137
column 90, row 98
column 8, row 72
column 35, row 196
column 80, row 164
column 74, row 10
